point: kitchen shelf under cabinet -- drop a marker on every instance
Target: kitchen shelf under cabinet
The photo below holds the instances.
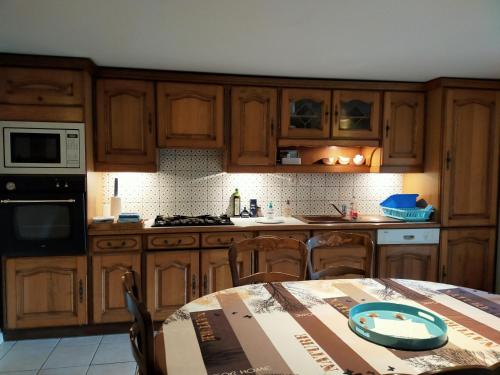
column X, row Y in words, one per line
column 45, row 291
column 107, row 271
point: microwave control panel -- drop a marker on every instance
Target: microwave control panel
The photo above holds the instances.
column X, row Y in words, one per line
column 72, row 148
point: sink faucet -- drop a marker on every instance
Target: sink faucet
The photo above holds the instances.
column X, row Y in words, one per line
column 344, row 209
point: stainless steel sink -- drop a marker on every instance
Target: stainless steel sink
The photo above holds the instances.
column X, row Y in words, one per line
column 321, row 219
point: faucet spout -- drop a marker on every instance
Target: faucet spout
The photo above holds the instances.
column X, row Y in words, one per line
column 342, row 213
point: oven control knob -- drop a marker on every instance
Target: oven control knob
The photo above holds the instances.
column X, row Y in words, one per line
column 57, row 184
column 66, row 185
column 10, row 186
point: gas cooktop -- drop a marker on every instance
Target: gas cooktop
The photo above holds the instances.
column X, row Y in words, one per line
column 191, row 221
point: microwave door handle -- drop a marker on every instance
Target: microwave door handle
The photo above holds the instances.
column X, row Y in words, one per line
column 9, row 201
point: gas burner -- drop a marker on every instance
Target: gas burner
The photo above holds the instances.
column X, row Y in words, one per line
column 191, row 221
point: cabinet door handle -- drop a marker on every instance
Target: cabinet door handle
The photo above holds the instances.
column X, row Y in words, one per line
column 327, row 113
column 409, row 237
column 193, row 285
column 448, row 159
column 205, row 284
column 443, row 273
column 336, row 113
column 80, row 290
column 272, row 128
column 150, row 122
column 387, row 127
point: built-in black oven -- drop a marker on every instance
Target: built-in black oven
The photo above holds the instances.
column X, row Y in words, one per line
column 42, row 215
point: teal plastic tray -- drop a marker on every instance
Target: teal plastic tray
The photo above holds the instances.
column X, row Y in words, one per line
column 362, row 322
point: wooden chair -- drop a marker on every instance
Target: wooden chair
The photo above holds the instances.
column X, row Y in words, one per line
column 141, row 332
column 269, row 250
column 332, row 241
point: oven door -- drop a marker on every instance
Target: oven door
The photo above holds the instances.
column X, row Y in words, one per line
column 40, row 225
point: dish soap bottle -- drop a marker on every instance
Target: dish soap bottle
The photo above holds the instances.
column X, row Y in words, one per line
column 236, row 203
column 270, row 212
column 287, row 210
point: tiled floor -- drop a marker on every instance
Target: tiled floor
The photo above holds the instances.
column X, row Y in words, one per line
column 87, row 355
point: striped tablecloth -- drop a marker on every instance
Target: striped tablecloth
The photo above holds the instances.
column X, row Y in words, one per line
column 301, row 328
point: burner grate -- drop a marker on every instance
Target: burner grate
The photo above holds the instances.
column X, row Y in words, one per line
column 191, row 221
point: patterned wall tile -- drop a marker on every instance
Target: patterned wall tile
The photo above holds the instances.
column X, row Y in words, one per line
column 191, row 182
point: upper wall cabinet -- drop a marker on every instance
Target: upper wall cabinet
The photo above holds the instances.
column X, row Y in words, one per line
column 356, row 114
column 190, row 115
column 125, row 126
column 470, row 160
column 253, row 124
column 305, row 114
column 41, row 86
column 403, row 132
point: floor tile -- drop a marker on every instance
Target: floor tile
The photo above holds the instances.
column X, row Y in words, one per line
column 29, row 372
column 5, row 347
column 27, row 355
column 81, row 370
column 71, row 356
column 112, row 353
column 113, row 369
column 82, row 340
column 118, row 338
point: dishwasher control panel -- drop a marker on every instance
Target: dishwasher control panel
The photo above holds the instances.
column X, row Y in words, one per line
column 408, row 236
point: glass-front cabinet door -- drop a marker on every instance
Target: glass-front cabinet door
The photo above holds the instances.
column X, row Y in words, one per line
column 305, row 114
column 356, row 114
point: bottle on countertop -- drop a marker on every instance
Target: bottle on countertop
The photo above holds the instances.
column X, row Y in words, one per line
column 353, row 213
column 236, row 203
column 245, row 213
column 287, row 210
column 270, row 211
column 115, row 202
column 253, row 207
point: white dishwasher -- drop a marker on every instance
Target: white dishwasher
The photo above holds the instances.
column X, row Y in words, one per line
column 418, row 236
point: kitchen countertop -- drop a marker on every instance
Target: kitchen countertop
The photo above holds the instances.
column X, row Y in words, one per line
column 250, row 224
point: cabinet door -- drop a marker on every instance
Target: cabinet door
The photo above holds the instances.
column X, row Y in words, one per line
column 46, row 292
column 253, row 124
column 215, row 270
column 107, row 271
column 467, row 257
column 41, row 86
column 125, row 126
column 470, row 162
column 356, row 114
column 190, row 115
column 403, row 141
column 417, row 262
column 171, row 281
column 305, row 114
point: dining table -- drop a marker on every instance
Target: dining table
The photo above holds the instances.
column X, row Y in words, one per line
column 301, row 327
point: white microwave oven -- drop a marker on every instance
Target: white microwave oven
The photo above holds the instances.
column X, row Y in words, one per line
column 42, row 148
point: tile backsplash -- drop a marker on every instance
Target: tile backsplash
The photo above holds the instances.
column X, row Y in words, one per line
column 191, row 182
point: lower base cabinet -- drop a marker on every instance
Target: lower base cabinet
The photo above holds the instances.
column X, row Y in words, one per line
column 417, row 262
column 46, row 291
column 107, row 270
column 171, row 281
column 468, row 257
column 215, row 270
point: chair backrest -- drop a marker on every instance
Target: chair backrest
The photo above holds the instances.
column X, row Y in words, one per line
column 331, row 241
column 130, row 283
column 141, row 332
column 269, row 250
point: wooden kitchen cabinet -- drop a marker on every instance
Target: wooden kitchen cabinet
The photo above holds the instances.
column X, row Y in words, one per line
column 125, row 126
column 171, row 281
column 403, row 132
column 417, row 262
column 467, row 257
column 190, row 115
column 253, row 126
column 470, row 158
column 107, row 271
column 41, row 86
column 215, row 270
column 305, row 114
column 356, row 114
column 45, row 292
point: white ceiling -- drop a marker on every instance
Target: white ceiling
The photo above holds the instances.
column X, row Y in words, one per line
column 359, row 39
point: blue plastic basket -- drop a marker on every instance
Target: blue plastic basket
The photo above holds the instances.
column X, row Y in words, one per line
column 400, row 201
column 408, row 214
